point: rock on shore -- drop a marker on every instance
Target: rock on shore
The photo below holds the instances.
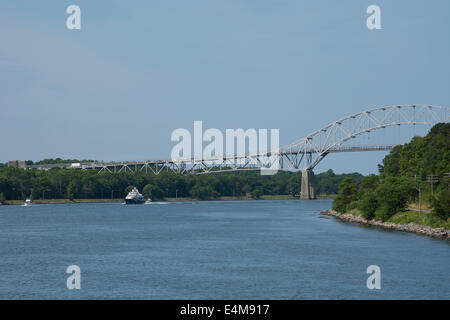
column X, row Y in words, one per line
column 441, row 233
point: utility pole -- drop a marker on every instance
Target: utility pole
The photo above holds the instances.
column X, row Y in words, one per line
column 420, row 201
column 418, row 188
column 432, row 178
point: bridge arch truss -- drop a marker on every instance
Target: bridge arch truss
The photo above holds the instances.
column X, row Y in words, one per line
column 311, row 149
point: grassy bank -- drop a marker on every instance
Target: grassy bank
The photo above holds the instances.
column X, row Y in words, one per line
column 424, row 219
column 428, row 219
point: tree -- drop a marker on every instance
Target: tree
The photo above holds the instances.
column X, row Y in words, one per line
column 256, row 193
column 368, row 184
column 71, row 190
column 392, row 196
column 328, row 182
column 87, row 191
column 368, row 205
column 421, row 156
column 153, row 191
column 128, row 189
column 203, row 192
column 293, row 186
column 246, row 189
column 347, row 194
column 442, row 205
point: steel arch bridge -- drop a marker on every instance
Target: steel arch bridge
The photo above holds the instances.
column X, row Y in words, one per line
column 334, row 135
column 310, row 150
column 304, row 154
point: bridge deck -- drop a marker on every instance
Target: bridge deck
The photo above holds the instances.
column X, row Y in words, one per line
column 119, row 165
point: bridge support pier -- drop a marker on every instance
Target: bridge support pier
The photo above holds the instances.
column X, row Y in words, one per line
column 307, row 188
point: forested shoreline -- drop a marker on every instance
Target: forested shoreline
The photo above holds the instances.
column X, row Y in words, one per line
column 413, row 184
column 17, row 184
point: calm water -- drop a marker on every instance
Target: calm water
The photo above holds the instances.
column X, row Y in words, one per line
column 211, row 250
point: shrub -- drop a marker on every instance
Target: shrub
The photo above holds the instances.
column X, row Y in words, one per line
column 351, row 206
column 203, row 192
column 442, row 205
column 256, row 194
column 392, row 195
column 369, row 184
column 347, row 194
column 153, row 191
column 368, row 205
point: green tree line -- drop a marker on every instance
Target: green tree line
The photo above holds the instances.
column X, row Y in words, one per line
column 418, row 169
column 17, row 184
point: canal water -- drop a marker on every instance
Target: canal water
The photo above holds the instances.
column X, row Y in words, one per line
column 211, row 250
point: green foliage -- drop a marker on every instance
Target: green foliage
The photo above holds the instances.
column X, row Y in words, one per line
column 368, row 204
column 352, row 206
column 384, row 196
column 442, row 205
column 128, row 189
column 423, row 218
column 153, row 192
column 422, row 156
column 368, row 184
column 328, row 182
column 347, row 194
column 77, row 184
column 71, row 190
column 57, row 160
column 392, row 196
column 256, row 193
column 203, row 192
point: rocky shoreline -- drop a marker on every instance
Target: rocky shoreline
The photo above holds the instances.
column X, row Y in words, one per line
column 410, row 227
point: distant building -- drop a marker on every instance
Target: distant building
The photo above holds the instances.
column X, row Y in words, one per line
column 17, row 164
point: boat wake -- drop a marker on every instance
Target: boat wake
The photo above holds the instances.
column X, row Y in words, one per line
column 157, row 202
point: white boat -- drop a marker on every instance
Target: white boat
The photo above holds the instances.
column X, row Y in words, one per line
column 28, row 202
column 134, row 197
column 148, row 201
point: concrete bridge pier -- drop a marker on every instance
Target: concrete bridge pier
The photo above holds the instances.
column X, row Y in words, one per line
column 307, row 188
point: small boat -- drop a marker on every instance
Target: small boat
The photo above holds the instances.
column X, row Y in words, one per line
column 28, row 201
column 148, row 201
column 134, row 197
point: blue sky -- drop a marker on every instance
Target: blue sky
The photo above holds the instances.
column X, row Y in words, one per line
column 117, row 88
